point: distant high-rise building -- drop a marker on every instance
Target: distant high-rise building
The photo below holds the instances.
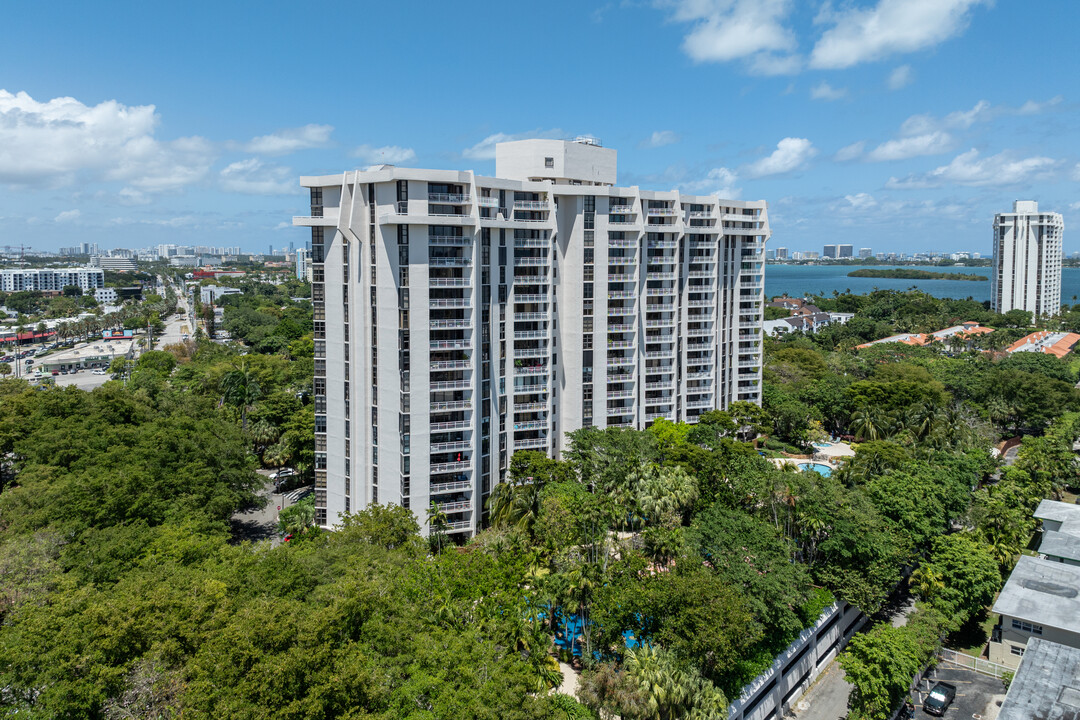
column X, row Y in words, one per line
column 1027, row 260
column 781, row 253
column 511, row 310
column 865, row 253
column 829, row 251
column 844, row 251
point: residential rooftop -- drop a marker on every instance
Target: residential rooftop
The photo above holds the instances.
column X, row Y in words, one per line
column 965, row 331
column 1059, row 344
column 1046, row 685
column 1043, row 592
column 1055, row 511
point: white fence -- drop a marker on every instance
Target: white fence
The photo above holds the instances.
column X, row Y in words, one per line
column 776, row 690
column 979, row 665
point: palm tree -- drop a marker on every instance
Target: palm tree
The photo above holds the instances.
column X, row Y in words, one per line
column 438, row 524
column 869, row 423
column 927, row 582
column 241, row 389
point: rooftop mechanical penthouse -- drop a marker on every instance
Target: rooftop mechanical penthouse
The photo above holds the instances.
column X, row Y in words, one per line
column 460, row 319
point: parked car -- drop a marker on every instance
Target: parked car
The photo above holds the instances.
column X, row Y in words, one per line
column 282, row 473
column 100, row 371
column 939, row 699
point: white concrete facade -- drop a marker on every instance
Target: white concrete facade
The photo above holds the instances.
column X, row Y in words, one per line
column 459, row 319
column 49, row 279
column 1027, row 260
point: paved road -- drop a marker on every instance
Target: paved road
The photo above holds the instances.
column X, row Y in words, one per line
column 259, row 522
column 827, row 698
column 84, row 380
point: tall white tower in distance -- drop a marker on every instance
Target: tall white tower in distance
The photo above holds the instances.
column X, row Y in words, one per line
column 1027, row 260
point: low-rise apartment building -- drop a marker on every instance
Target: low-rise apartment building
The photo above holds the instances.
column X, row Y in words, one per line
column 1040, row 600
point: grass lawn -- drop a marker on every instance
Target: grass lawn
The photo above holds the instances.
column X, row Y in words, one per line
column 973, row 636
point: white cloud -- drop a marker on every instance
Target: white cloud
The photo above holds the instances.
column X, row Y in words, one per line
column 254, row 177
column 972, row 170
column 719, row 181
column 173, row 222
column 1032, row 107
column 861, row 34
column 660, row 138
column 850, row 152
column 57, row 141
column 1076, row 172
column 386, row 155
column 290, row 140
column 825, row 91
column 790, row 154
column 131, row 196
column 901, row 76
column 726, row 30
column 860, row 201
column 485, row 149
column 932, row 143
column 67, row 216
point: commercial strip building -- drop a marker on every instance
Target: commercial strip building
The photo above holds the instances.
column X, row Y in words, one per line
column 1027, row 260
column 86, row 279
column 460, row 319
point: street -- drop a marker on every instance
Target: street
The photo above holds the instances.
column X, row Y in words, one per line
column 259, row 521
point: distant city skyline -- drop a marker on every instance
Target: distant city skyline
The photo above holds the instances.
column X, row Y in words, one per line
column 891, row 124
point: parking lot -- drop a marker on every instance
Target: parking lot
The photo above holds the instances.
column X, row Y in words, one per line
column 977, row 696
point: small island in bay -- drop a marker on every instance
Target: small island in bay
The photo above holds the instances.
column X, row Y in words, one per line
column 913, row 274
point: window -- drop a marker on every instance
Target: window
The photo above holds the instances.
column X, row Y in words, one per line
column 549, row 162
column 1027, row 627
column 1016, row 650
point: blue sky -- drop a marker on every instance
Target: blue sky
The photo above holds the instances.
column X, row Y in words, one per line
column 892, row 124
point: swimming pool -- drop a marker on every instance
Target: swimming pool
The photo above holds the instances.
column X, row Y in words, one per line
column 820, row 469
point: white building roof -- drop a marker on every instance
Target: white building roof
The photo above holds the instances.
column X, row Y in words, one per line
column 1042, row 592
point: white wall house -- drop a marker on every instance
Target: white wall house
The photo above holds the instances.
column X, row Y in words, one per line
column 460, row 319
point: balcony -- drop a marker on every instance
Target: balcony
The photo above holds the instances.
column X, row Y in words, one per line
column 622, row 261
column 699, row 403
column 526, row 298
column 621, row 344
column 461, row 282
column 448, row 198
column 621, row 210
column 528, row 443
column 701, row 303
column 531, row 334
column 529, row 261
column 702, row 274
column 531, row 352
column 660, row 354
column 458, row 425
column 530, row 389
column 662, row 212
column 451, row 365
column 450, row 302
column 451, row 344
column 458, row 506
column 660, row 323
column 450, row 261
column 530, row 425
column 649, row 416
column 620, row 395
column 446, row 467
column 658, row 385
column 621, row 378
column 660, row 244
column 700, row 375
column 530, row 407
column 618, row 362
column 660, row 291
column 622, row 242
column 451, row 446
column 522, row 316
column 531, row 370
column 661, row 276
column 621, row 310
column 530, row 204
column 451, row 406
column 701, row 213
column 450, row 239
column 445, row 385
column 450, row 324
column 621, row 294
column 450, row 487
column 532, row 242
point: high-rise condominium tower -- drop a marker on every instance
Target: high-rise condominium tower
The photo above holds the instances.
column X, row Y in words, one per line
column 460, row 319
column 1027, row 260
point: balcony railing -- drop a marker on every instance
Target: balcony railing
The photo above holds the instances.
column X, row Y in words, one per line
column 621, row 294
column 487, row 201
column 450, row 487
column 459, row 425
column 442, row 386
column 450, row 467
column 451, row 406
column 451, row 365
column 450, row 198
column 662, row 212
column 451, row 446
column 459, row 506
column 449, row 282
column 450, row 324
column 530, row 407
column 530, row 205
column 527, row 443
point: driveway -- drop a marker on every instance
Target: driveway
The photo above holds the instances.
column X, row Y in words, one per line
column 977, row 695
column 258, row 521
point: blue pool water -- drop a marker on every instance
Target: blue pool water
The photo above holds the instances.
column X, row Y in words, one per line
column 823, row 470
